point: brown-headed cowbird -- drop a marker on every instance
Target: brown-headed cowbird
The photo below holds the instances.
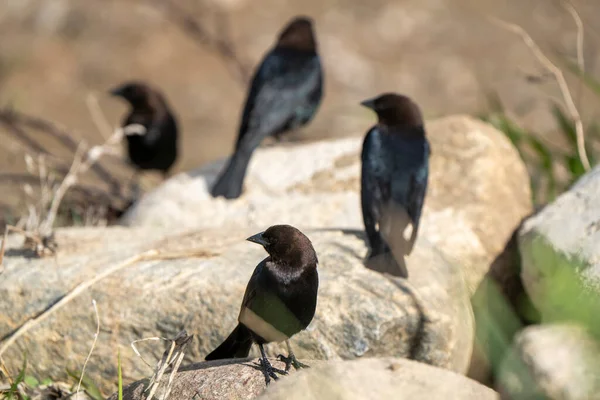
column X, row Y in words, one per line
column 150, row 127
column 285, row 94
column 280, row 299
column 395, row 169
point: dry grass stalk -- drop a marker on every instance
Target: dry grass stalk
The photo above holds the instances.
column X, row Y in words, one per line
column 41, row 246
column 4, row 371
column 98, row 116
column 560, row 79
column 15, row 122
column 91, row 349
column 2, row 250
column 580, row 34
column 173, row 356
column 29, row 324
column 150, row 255
column 580, row 56
column 38, row 227
column 219, row 42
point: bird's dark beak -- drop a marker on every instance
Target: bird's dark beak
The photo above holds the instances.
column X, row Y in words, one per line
column 370, row 103
column 258, row 239
column 118, row 91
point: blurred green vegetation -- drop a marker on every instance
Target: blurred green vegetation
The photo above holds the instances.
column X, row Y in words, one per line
column 25, row 387
column 552, row 166
column 87, row 385
column 561, row 297
column 120, row 376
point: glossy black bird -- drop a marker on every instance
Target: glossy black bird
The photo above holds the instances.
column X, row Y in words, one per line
column 150, row 128
column 395, row 169
column 280, row 299
column 285, row 94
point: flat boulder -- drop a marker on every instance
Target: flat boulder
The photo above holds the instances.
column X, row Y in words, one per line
column 560, row 254
column 478, row 192
column 151, row 284
column 557, row 361
column 368, row 378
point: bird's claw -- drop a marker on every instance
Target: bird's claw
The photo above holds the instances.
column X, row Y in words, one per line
column 290, row 361
column 269, row 371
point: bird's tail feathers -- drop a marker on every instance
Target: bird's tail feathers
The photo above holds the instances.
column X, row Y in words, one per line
column 231, row 181
column 237, row 345
column 381, row 259
column 413, row 238
column 379, row 247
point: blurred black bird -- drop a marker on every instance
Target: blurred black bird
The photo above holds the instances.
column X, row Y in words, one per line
column 280, row 299
column 285, row 94
column 150, row 128
column 395, row 169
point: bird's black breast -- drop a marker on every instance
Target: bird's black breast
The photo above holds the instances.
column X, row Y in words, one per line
column 157, row 148
column 395, row 168
column 286, row 304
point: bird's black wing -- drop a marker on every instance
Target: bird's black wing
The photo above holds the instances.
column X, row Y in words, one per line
column 264, row 310
column 302, row 302
column 253, row 284
column 283, row 84
column 409, row 182
column 418, row 192
column 375, row 187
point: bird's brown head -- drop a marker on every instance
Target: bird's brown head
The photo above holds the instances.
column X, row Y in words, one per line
column 298, row 34
column 395, row 110
column 136, row 93
column 287, row 246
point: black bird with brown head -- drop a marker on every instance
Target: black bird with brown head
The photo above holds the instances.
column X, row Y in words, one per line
column 285, row 94
column 150, row 128
column 280, row 298
column 395, row 170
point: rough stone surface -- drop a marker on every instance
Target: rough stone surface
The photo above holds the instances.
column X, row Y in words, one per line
column 552, row 362
column 563, row 241
column 478, row 192
column 360, row 313
column 384, row 378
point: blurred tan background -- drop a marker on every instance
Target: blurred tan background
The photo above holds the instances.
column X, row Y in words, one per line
column 444, row 53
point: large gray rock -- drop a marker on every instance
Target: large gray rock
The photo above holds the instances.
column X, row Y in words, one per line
column 384, row 378
column 378, row 379
column 557, row 362
column 560, row 252
column 478, row 192
column 360, row 313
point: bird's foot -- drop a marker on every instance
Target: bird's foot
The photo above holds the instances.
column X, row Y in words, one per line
column 290, row 361
column 269, row 371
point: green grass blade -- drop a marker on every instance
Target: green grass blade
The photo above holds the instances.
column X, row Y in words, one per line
column 88, row 385
column 120, row 374
column 546, row 162
column 31, row 381
column 14, row 388
column 566, row 126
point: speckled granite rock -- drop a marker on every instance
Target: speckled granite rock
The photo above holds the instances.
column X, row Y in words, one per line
column 478, row 192
column 359, row 312
column 366, row 379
